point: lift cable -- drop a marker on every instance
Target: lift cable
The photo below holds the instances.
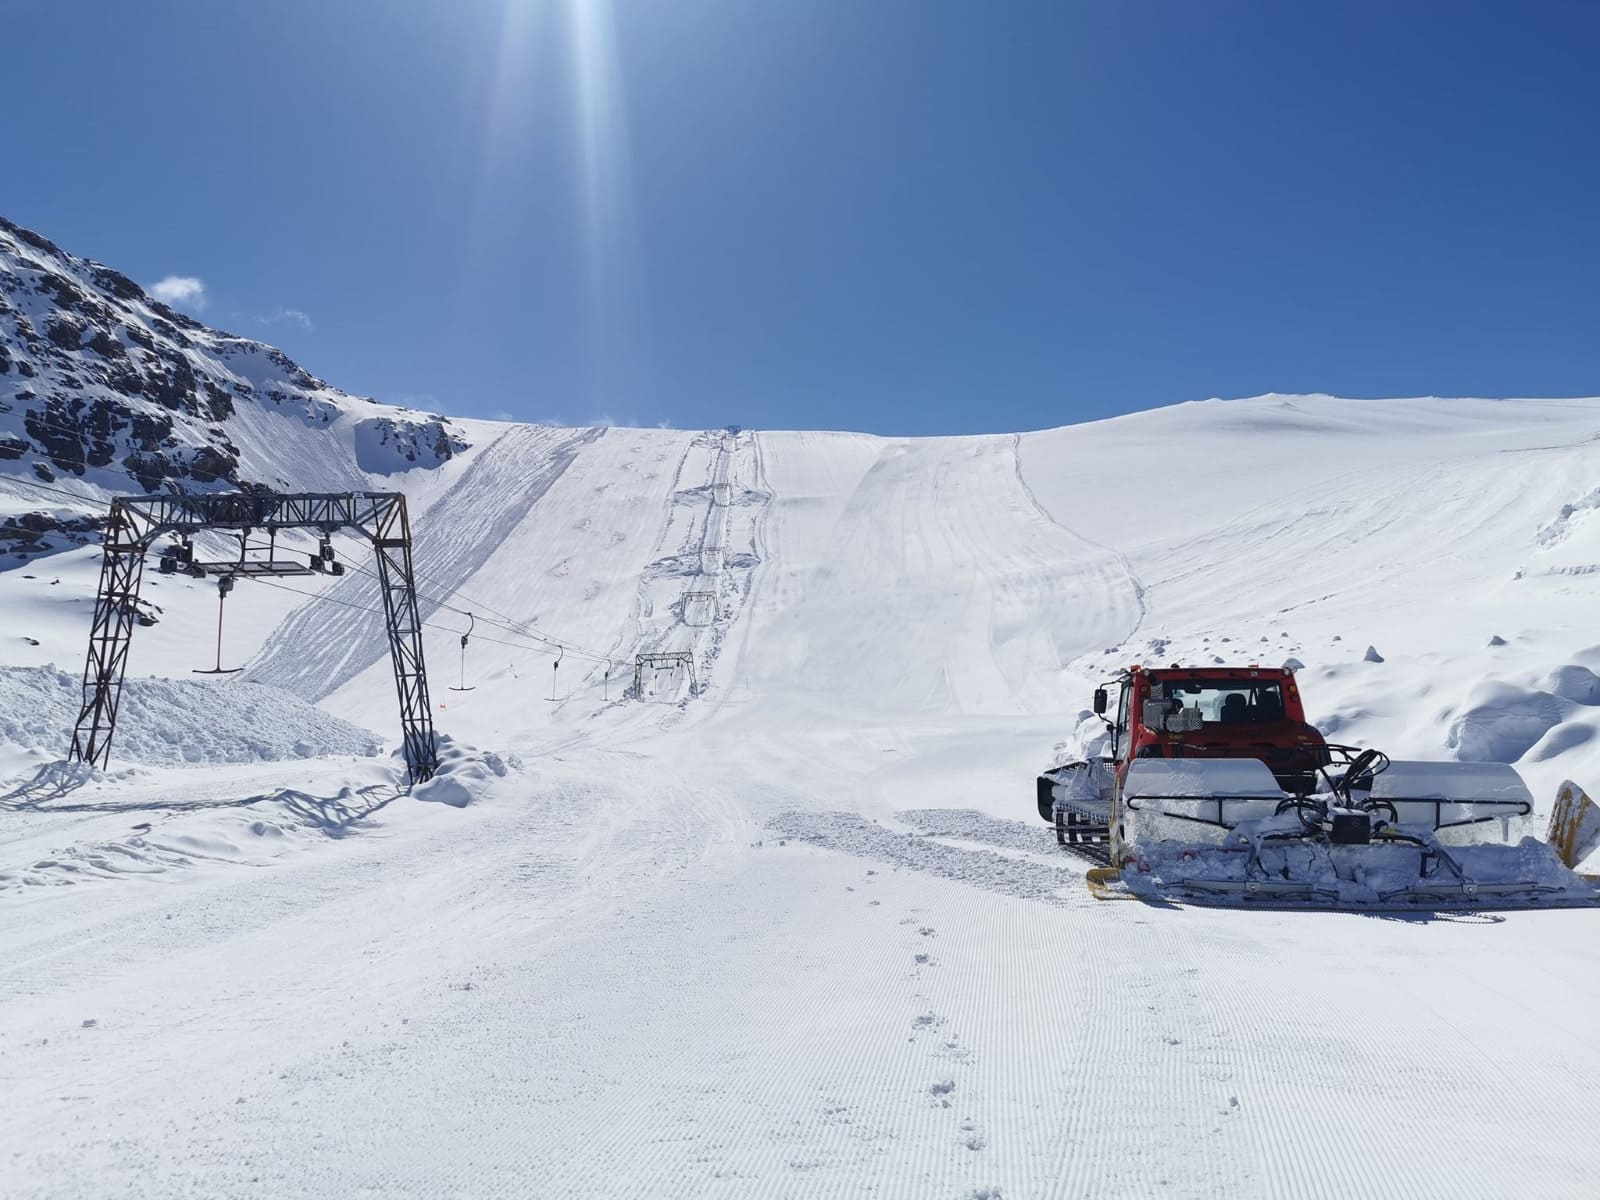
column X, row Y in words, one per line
column 551, row 642
column 515, row 626
column 368, row 609
column 509, row 623
column 545, row 642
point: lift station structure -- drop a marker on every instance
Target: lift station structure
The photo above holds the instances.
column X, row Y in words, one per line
column 137, row 521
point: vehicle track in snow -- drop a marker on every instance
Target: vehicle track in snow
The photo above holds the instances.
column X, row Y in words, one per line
column 876, row 537
column 323, row 646
column 1134, row 582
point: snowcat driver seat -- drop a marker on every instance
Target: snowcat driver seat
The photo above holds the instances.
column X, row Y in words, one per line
column 1235, row 709
column 1269, row 708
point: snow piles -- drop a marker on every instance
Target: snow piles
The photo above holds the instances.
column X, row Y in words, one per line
column 463, row 773
column 1503, row 721
column 171, row 721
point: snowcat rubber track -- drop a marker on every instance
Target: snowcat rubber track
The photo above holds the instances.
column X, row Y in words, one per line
column 1077, row 828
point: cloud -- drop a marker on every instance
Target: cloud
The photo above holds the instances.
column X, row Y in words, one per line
column 288, row 316
column 180, row 291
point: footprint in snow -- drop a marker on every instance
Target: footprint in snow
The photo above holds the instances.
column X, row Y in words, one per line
column 953, row 1049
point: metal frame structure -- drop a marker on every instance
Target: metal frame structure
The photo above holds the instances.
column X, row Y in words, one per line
column 136, row 522
column 690, row 599
column 661, row 662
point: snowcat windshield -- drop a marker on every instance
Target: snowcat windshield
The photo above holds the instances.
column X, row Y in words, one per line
column 1220, row 701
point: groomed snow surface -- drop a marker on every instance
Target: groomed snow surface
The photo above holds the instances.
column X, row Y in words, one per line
column 796, row 929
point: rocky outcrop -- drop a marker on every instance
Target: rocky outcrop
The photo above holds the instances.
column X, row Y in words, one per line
column 100, row 381
column 32, row 533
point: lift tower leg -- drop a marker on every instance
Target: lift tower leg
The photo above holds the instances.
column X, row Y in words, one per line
column 121, row 566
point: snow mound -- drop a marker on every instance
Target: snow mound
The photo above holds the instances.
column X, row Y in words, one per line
column 178, row 721
column 1563, row 737
column 1087, row 739
column 1503, row 722
column 1567, row 518
column 1575, row 683
column 462, row 774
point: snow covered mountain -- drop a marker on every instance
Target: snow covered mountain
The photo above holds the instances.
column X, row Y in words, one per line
column 104, row 386
column 770, row 911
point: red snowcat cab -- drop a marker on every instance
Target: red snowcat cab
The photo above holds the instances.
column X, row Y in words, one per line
column 1198, row 712
column 1217, row 712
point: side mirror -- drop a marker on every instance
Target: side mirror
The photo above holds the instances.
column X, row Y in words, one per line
column 1101, row 702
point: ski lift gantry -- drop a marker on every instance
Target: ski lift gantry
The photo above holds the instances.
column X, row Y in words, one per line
column 137, row 521
column 672, row 660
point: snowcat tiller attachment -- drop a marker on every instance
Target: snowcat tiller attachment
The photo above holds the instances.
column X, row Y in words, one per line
column 1404, row 835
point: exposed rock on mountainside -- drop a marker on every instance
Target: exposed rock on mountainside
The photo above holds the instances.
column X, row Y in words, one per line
column 101, row 382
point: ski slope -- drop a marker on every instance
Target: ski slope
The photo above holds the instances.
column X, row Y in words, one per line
column 792, row 927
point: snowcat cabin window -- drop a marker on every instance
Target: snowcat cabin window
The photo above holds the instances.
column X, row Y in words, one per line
column 1231, row 701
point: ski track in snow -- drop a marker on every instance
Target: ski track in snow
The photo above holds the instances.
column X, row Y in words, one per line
column 1134, row 584
column 805, row 936
column 323, row 646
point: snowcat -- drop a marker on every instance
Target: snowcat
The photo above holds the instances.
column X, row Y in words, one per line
column 1215, row 788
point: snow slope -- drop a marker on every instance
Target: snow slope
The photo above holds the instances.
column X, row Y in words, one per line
column 796, row 930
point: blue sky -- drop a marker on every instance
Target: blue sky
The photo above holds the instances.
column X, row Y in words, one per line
column 900, row 216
